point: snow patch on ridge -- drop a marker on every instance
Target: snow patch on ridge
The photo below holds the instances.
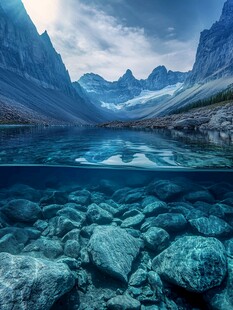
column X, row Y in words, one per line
column 144, row 97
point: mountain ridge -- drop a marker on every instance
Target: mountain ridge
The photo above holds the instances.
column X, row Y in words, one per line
column 30, row 59
column 128, row 87
column 214, row 58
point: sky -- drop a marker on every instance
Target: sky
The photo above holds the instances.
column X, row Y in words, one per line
column 107, row 37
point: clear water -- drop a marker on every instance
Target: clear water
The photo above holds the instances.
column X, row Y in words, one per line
column 122, row 172
column 115, row 148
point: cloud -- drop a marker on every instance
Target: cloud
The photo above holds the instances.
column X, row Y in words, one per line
column 90, row 40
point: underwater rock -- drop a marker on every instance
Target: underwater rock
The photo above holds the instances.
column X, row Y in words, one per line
column 149, row 200
column 229, row 247
column 54, row 197
column 81, row 197
column 228, row 201
column 72, row 235
column 123, row 302
column 72, row 263
column 156, row 239
column 72, row 215
column 204, row 196
column 172, row 222
column 72, row 248
column 165, row 190
column 119, row 195
column 9, row 244
column 49, row 248
column 82, row 280
column 131, row 213
column 22, row 191
column 60, row 226
column 21, row 210
column 134, row 196
column 88, row 230
column 107, row 207
column 113, row 251
column 95, row 214
column 40, row 225
column 50, row 211
column 155, row 282
column 221, row 210
column 133, row 232
column 138, row 278
column 134, row 221
column 194, row 263
column 218, row 190
column 155, row 208
column 153, row 307
column 211, row 226
column 97, row 197
column 22, row 235
column 29, row 283
column 221, row 298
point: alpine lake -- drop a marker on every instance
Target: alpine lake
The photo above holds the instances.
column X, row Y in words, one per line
column 96, row 219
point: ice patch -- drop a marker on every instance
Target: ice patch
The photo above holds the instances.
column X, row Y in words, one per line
column 144, row 97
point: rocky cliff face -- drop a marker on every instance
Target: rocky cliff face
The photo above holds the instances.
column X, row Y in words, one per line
column 214, row 57
column 25, row 52
column 161, row 78
column 35, row 86
column 128, row 87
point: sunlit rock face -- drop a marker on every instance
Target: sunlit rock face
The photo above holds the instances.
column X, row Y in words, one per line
column 214, row 58
column 25, row 52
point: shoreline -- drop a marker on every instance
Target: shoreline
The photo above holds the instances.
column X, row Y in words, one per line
column 217, row 117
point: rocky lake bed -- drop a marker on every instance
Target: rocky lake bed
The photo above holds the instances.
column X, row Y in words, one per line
column 149, row 244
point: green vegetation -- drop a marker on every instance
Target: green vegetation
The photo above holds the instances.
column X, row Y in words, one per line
column 221, row 97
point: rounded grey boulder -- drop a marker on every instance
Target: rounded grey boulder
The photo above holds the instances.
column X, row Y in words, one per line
column 22, row 210
column 156, row 239
column 29, row 283
column 194, row 263
column 221, row 298
column 95, row 214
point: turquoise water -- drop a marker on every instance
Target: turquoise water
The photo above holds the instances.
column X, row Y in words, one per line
column 116, row 219
column 109, row 148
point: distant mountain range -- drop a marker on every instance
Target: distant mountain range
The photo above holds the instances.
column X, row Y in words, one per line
column 128, row 87
column 35, row 86
column 165, row 91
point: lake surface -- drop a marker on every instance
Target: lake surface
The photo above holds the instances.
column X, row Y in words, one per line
column 117, row 219
column 115, row 148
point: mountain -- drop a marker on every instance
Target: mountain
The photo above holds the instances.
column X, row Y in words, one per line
column 128, row 87
column 212, row 71
column 214, row 59
column 163, row 92
column 161, row 78
column 27, row 53
column 32, row 69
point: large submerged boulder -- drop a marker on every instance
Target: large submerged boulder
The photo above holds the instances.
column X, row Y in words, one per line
column 113, row 251
column 211, row 226
column 221, row 298
column 22, row 210
column 29, row 283
column 194, row 263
